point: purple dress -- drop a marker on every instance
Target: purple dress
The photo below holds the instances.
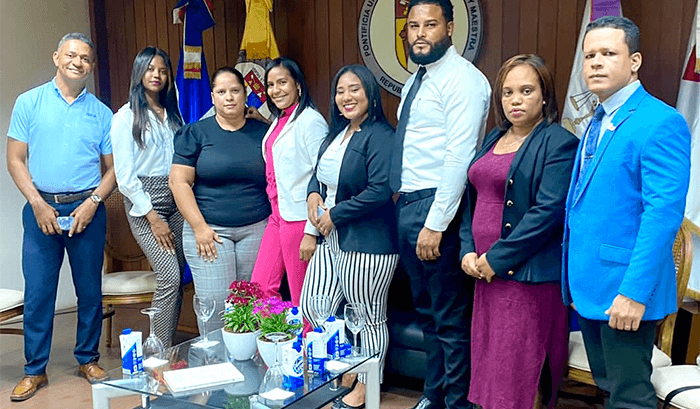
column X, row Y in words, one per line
column 515, row 326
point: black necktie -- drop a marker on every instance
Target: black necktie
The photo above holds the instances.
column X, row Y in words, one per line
column 397, row 154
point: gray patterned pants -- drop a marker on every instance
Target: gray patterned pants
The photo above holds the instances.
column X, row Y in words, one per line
column 168, row 267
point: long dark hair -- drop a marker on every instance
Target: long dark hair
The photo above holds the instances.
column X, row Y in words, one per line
column 137, row 95
column 292, row 67
column 375, row 111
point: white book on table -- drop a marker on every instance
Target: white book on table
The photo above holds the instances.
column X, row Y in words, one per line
column 189, row 379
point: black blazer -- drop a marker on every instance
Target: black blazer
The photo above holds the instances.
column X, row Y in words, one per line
column 364, row 214
column 529, row 249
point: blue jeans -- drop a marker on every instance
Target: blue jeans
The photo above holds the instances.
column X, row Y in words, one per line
column 42, row 256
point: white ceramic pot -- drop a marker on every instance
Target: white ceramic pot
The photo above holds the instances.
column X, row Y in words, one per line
column 241, row 346
column 267, row 350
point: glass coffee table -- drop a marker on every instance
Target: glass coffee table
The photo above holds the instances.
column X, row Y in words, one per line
column 316, row 392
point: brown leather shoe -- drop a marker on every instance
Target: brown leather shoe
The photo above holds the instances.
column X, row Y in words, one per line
column 92, row 372
column 27, row 387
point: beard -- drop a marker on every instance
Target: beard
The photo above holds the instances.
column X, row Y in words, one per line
column 437, row 50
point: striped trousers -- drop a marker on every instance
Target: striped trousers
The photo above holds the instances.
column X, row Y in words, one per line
column 359, row 278
column 168, row 267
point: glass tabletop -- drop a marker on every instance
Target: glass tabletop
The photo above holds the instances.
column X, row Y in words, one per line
column 316, row 391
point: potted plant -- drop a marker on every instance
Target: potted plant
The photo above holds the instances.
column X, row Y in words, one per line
column 241, row 324
column 272, row 315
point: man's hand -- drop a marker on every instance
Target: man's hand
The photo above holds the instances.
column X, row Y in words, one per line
column 307, row 247
column 428, row 245
column 161, row 231
column 485, row 270
column 469, row 264
column 625, row 313
column 45, row 216
column 312, row 203
column 82, row 216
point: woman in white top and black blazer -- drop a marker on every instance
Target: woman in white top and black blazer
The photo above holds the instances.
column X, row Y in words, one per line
column 289, row 148
column 358, row 253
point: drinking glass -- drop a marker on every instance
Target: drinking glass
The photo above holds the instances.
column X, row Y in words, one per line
column 204, row 308
column 272, row 387
column 355, row 319
column 152, row 346
column 320, row 308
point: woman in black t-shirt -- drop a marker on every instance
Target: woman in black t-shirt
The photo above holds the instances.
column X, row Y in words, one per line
column 218, row 181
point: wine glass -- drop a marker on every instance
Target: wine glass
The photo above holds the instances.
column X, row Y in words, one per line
column 272, row 387
column 152, row 346
column 204, row 306
column 355, row 319
column 320, row 308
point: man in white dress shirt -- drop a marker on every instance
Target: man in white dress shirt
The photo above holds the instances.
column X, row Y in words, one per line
column 443, row 112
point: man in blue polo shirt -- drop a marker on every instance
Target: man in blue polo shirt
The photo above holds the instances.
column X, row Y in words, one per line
column 59, row 134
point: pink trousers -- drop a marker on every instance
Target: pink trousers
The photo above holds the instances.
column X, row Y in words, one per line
column 279, row 252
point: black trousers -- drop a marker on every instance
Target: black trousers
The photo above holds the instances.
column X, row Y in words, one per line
column 442, row 296
column 621, row 362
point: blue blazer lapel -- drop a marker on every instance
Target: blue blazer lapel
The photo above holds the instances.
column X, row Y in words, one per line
column 622, row 114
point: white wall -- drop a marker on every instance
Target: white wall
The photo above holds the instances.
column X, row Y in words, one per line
column 29, row 33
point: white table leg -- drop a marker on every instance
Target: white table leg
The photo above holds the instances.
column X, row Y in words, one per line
column 372, row 388
column 101, row 394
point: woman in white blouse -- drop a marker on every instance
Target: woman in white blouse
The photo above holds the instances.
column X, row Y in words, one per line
column 142, row 140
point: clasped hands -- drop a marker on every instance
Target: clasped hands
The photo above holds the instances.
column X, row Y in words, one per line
column 46, row 215
column 478, row 267
column 322, row 223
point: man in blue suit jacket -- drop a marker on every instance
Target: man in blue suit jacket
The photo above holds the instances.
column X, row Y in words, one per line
column 624, row 208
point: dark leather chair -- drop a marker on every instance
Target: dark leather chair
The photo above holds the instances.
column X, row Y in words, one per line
column 406, row 355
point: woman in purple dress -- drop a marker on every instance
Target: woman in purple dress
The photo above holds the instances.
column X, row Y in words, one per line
column 511, row 237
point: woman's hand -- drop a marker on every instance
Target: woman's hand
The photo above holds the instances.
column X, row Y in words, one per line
column 253, row 113
column 485, row 270
column 205, row 238
column 325, row 224
column 312, row 203
column 161, row 231
column 307, row 247
column 469, row 264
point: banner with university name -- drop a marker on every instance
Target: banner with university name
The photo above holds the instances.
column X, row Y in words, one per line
column 580, row 102
column 688, row 105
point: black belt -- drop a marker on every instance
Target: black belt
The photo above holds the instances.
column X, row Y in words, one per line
column 66, row 197
column 406, row 198
column 675, row 392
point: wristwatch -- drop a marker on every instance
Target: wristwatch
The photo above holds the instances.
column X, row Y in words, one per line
column 96, row 199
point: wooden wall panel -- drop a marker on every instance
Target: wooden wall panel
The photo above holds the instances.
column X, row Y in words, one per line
column 322, row 36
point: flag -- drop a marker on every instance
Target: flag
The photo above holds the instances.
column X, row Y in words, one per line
column 258, row 39
column 688, row 105
column 258, row 48
column 580, row 102
column 192, row 79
